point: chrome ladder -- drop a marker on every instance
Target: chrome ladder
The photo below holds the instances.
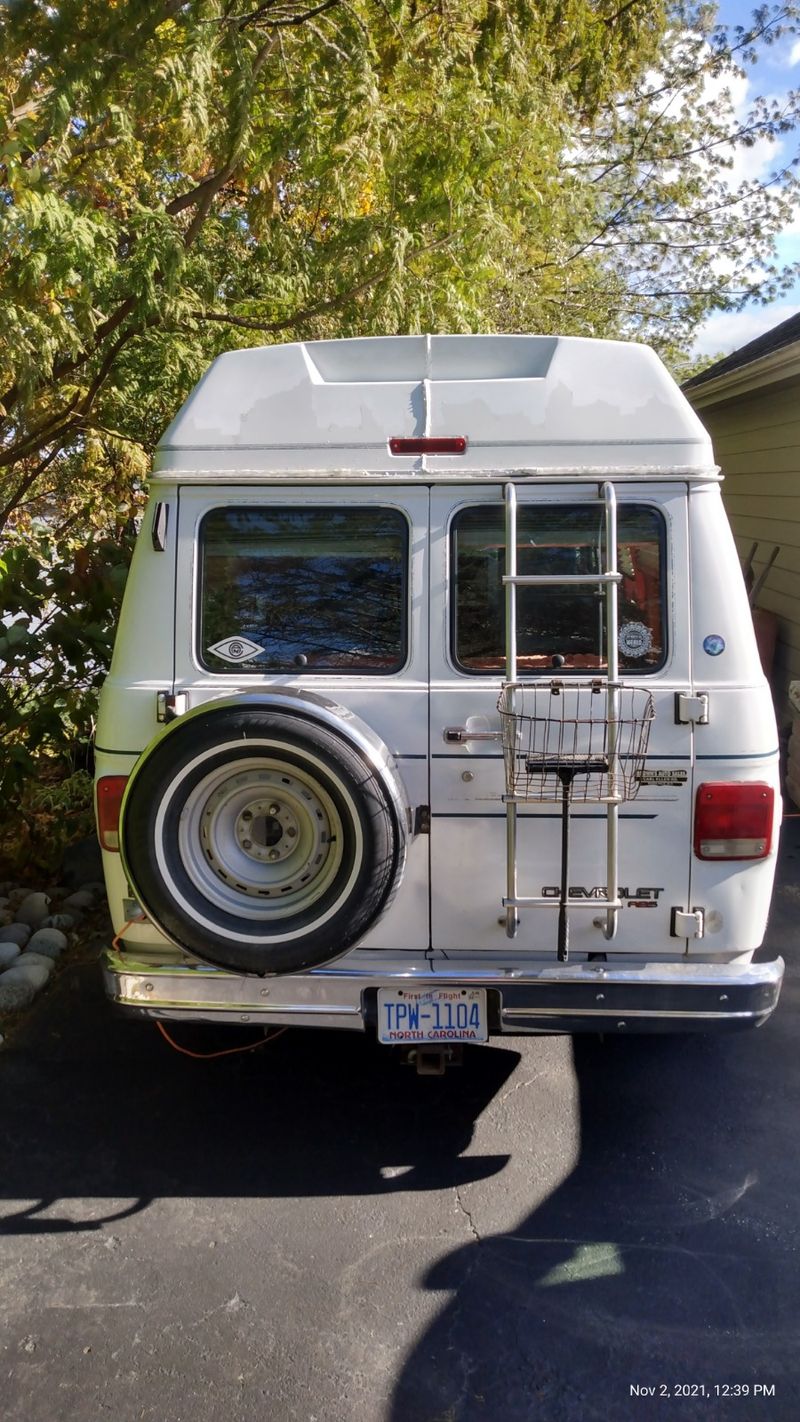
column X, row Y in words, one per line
column 609, row 579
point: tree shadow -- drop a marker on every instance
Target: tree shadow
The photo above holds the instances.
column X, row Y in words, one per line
column 658, row 1262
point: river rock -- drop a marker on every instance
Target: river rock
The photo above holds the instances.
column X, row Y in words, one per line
column 62, row 921
column 33, row 909
column 8, row 953
column 81, row 900
column 29, row 959
column 15, row 995
column 34, row 973
column 49, row 941
column 16, row 933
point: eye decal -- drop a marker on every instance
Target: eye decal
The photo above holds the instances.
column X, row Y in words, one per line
column 236, row 649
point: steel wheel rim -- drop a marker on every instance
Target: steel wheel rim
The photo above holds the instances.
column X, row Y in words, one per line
column 274, row 864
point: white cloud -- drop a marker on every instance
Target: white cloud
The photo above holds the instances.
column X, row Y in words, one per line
column 794, row 57
column 729, row 330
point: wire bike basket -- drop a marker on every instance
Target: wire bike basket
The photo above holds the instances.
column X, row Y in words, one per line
column 568, row 742
column 575, row 741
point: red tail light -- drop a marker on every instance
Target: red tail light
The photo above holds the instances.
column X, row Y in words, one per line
column 429, row 444
column 110, row 790
column 733, row 820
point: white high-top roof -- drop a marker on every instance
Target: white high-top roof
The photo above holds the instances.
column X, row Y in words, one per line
column 550, row 404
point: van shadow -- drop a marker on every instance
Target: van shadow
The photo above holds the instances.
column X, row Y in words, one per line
column 664, row 1259
column 100, row 1108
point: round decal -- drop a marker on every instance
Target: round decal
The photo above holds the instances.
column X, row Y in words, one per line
column 635, row 640
column 714, row 644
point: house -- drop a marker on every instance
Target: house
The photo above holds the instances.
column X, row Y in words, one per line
column 750, row 404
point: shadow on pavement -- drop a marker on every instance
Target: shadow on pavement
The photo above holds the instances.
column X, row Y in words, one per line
column 98, row 1107
column 667, row 1259
column 659, row 1260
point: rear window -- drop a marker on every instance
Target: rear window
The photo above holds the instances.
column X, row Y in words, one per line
column 557, row 622
column 303, row 590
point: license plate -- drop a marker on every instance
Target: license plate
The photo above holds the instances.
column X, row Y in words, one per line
column 432, row 1015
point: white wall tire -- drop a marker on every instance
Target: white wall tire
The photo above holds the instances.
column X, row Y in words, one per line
column 260, row 840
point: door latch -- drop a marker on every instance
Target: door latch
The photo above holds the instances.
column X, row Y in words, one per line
column 686, row 923
column 691, row 709
column 168, row 706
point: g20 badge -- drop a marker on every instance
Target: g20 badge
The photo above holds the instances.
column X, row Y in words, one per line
column 714, row 644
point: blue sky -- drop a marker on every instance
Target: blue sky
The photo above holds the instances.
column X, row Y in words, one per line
column 777, row 71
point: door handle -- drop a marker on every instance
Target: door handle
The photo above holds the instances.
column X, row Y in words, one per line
column 459, row 735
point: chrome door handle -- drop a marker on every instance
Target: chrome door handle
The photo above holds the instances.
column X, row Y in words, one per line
column 459, row 735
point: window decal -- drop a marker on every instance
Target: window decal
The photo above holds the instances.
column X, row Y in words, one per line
column 236, row 649
column 635, row 640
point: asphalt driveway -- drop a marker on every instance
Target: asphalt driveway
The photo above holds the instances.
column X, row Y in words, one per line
column 312, row 1232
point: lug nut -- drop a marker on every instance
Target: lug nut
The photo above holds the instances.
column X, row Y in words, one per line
column 248, row 815
column 274, row 809
column 274, row 854
column 291, row 831
column 247, row 844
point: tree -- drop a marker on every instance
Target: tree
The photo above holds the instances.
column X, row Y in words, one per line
column 182, row 176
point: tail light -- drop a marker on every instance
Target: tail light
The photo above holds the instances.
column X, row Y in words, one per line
column 110, row 790
column 733, row 820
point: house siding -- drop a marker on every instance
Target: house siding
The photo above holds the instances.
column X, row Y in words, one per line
column 757, row 444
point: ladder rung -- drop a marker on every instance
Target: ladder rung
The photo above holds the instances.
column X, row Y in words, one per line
column 555, row 580
column 599, row 905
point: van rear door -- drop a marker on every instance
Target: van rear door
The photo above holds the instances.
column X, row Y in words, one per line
column 320, row 589
column 560, row 634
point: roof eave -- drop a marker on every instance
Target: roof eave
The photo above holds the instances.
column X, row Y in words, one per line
column 769, row 369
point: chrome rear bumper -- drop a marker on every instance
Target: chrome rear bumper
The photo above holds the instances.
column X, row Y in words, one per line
column 553, row 998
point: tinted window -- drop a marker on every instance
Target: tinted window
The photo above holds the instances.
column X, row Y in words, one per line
column 316, row 589
column 557, row 622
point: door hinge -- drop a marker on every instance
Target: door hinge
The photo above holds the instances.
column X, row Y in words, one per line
column 422, row 819
column 691, row 709
column 158, row 528
column 686, row 923
column 169, row 705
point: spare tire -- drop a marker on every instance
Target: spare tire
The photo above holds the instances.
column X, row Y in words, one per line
column 261, row 840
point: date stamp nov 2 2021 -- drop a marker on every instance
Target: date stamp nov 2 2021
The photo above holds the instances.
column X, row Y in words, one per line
column 710, row 1390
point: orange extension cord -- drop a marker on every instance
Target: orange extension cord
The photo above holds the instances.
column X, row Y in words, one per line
column 228, row 1051
column 116, row 942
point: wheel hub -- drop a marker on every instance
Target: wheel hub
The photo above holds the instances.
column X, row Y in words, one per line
column 267, row 830
column 266, row 833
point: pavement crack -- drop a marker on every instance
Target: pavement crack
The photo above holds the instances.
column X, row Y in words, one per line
column 518, row 1086
column 468, row 1214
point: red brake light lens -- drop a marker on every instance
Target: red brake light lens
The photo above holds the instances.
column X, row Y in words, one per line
column 428, row 445
column 110, row 790
column 733, row 820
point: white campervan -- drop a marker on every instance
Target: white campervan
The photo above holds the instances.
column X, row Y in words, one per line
column 435, row 707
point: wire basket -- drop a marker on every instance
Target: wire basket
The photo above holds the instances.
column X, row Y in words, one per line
column 579, row 740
